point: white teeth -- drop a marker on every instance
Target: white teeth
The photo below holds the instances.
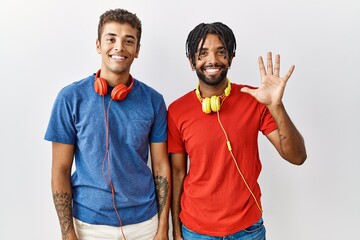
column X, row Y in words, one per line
column 117, row 57
column 212, row 70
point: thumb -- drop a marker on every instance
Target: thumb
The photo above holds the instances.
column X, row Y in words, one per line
column 247, row 90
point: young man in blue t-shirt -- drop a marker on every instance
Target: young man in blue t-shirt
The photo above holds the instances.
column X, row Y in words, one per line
column 107, row 122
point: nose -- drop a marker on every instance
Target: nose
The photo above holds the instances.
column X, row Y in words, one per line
column 118, row 46
column 211, row 58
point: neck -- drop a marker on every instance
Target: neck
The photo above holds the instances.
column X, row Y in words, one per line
column 208, row 90
column 114, row 79
column 204, row 90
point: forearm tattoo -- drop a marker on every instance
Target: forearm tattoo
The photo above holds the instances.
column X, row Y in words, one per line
column 281, row 135
column 63, row 206
column 162, row 190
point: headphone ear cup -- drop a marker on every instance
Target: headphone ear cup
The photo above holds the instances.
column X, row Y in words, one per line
column 100, row 86
column 119, row 92
column 215, row 103
column 206, row 105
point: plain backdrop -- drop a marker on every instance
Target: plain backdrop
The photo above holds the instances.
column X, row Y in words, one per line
column 46, row 45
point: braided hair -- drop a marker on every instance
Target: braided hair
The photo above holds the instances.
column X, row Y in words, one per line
column 199, row 33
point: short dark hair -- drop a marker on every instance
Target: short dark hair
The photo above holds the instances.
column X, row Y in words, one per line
column 199, row 33
column 120, row 16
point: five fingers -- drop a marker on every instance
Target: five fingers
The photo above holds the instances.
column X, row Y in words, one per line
column 273, row 70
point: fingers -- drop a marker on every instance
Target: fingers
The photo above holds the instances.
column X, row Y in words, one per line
column 273, row 70
column 246, row 90
column 261, row 67
column 288, row 74
column 277, row 66
column 269, row 63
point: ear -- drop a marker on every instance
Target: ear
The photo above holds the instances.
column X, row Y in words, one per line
column 191, row 64
column 230, row 60
column 137, row 51
column 98, row 46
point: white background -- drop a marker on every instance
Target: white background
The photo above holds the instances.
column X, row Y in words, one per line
column 47, row 44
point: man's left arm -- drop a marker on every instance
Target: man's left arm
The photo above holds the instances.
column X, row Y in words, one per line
column 162, row 176
column 286, row 139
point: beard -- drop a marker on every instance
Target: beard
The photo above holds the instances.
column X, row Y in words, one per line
column 212, row 81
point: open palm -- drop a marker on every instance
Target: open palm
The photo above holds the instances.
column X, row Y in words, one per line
column 272, row 87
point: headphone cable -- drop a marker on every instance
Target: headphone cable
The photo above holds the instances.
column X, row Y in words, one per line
column 236, row 164
column 107, row 157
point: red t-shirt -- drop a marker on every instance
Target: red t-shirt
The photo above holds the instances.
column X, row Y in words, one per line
column 215, row 200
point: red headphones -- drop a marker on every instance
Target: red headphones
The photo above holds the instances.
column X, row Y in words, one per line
column 118, row 93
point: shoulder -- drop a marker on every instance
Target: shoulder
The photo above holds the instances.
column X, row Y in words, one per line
column 145, row 90
column 184, row 106
column 143, row 86
column 78, row 87
column 181, row 101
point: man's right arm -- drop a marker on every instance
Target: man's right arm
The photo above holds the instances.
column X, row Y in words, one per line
column 179, row 169
column 62, row 160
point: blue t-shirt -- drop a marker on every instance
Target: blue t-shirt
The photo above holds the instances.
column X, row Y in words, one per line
column 78, row 118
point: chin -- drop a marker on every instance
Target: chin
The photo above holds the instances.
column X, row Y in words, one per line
column 212, row 80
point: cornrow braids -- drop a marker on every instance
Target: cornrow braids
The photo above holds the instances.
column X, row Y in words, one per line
column 199, row 33
column 120, row 16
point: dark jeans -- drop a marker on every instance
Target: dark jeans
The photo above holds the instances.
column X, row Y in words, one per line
column 254, row 232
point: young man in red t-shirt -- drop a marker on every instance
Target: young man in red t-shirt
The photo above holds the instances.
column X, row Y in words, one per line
column 218, row 195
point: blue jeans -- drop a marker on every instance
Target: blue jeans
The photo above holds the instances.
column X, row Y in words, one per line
column 254, row 232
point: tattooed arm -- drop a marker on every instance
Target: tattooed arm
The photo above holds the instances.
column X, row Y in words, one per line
column 286, row 139
column 62, row 159
column 162, row 176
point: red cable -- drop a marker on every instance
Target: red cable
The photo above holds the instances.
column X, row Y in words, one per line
column 107, row 156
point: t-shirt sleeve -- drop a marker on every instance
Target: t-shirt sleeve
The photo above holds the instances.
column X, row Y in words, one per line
column 158, row 130
column 175, row 143
column 61, row 126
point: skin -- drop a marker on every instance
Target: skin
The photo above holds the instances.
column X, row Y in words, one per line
column 286, row 139
column 163, row 183
column 178, row 170
column 209, row 67
column 118, row 47
column 62, row 159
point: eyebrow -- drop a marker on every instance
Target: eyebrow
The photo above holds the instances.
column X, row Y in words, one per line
column 110, row 34
column 115, row 35
column 206, row 49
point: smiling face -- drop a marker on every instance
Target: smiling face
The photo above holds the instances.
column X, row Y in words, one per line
column 118, row 47
column 211, row 61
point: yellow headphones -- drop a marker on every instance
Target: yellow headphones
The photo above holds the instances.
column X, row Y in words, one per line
column 213, row 103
